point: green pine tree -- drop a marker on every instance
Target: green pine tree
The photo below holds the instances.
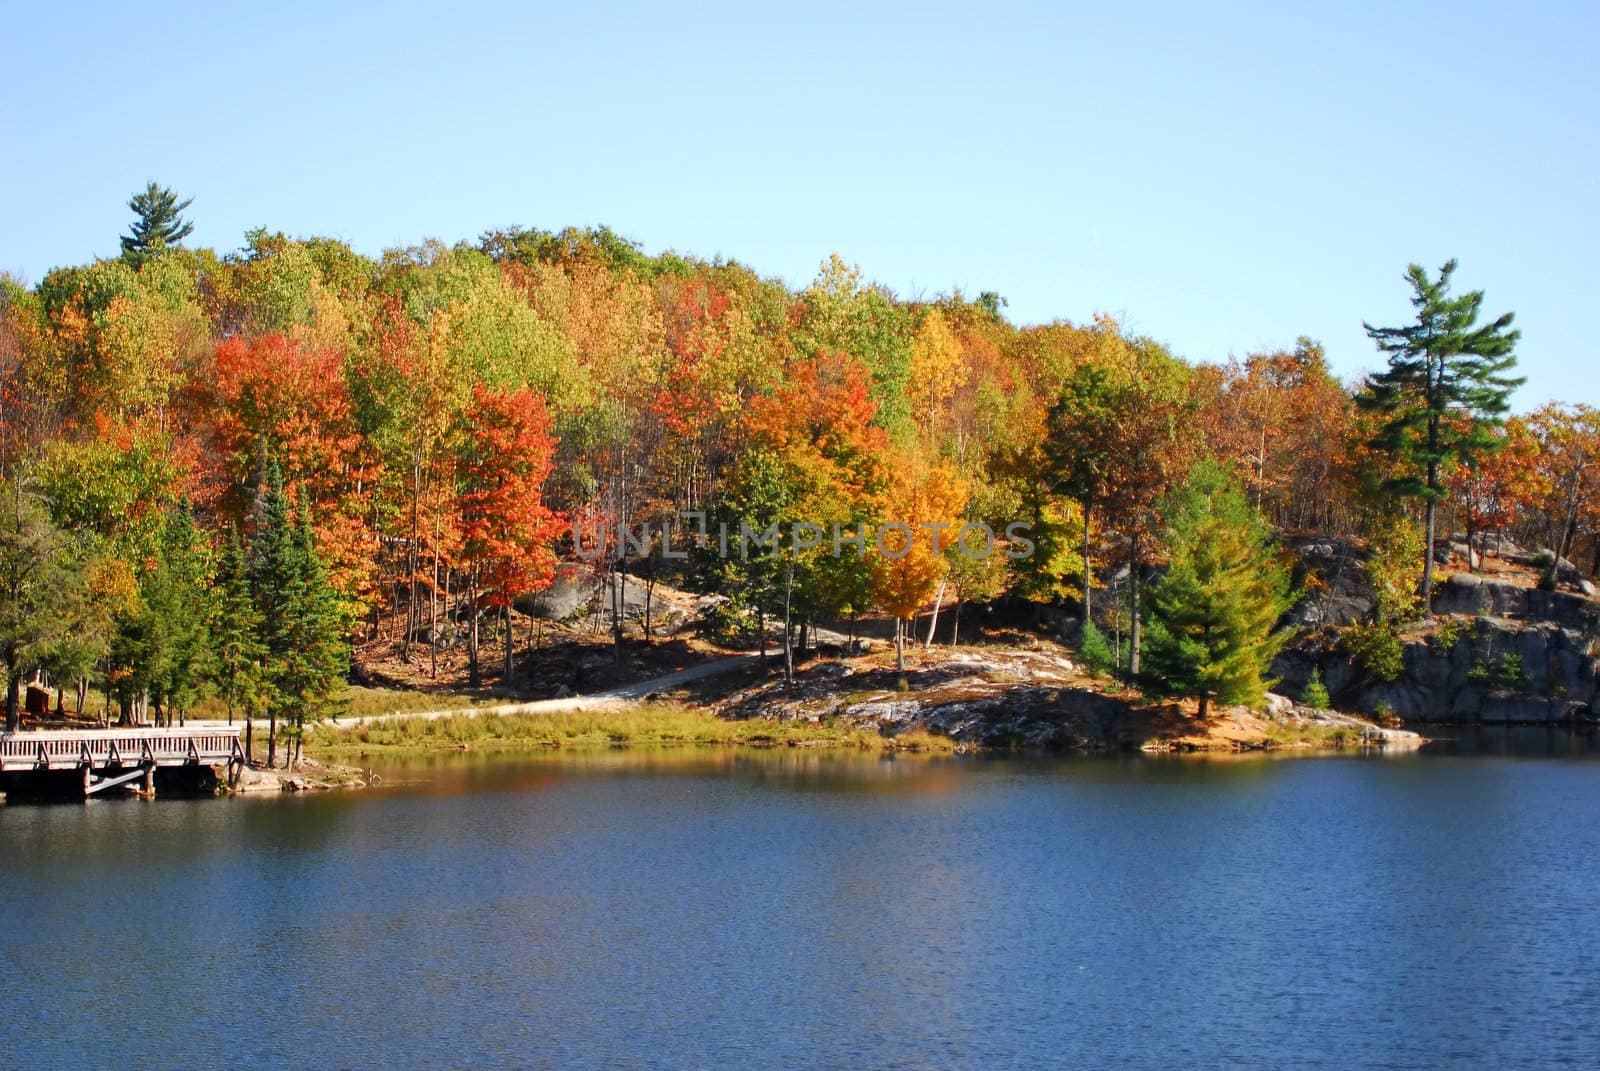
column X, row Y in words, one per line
column 1212, row 617
column 1095, row 650
column 185, row 604
column 236, row 631
column 1445, row 391
column 158, row 224
column 1316, row 693
column 274, row 572
column 313, row 673
column 303, row 622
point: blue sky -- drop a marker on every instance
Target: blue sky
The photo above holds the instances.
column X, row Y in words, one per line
column 1224, row 180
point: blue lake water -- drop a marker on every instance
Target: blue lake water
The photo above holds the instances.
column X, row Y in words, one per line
column 787, row 910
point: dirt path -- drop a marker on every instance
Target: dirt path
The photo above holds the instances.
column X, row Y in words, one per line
column 608, row 699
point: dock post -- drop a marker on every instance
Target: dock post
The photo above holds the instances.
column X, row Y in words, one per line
column 150, row 780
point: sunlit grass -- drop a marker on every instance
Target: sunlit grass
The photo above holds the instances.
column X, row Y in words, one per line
column 643, row 725
column 361, row 702
column 1315, row 736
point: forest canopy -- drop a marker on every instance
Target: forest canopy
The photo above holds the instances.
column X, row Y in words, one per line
column 408, row 440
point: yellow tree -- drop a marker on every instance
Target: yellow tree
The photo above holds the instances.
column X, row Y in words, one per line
column 922, row 520
column 1569, row 454
column 937, row 372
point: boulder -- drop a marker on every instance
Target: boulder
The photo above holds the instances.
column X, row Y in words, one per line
column 1467, row 593
column 1341, row 597
column 571, row 593
column 254, row 779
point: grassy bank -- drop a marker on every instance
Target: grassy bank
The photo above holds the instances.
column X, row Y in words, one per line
column 644, row 725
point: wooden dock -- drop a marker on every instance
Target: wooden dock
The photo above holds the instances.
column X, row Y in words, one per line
column 111, row 758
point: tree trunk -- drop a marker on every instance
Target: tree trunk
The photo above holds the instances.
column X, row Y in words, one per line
column 1134, row 631
column 1088, row 573
column 1205, row 706
column 474, row 674
column 433, row 608
column 1472, row 552
column 13, row 697
column 761, row 635
column 955, row 623
column 933, row 621
column 619, row 600
column 411, row 563
column 1261, row 465
column 1430, row 512
column 788, row 626
column 249, row 737
column 649, row 595
column 510, row 648
column 900, row 645
column 272, row 739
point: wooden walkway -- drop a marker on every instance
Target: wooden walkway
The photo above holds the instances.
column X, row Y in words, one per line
column 108, row 758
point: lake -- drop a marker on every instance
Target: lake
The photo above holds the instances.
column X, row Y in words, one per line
column 791, row 910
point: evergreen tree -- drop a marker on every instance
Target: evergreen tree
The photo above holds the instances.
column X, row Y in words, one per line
column 1095, row 650
column 1316, row 693
column 236, row 635
column 304, row 625
column 1444, row 393
column 158, row 224
column 318, row 660
column 273, row 575
column 1211, row 617
column 184, row 575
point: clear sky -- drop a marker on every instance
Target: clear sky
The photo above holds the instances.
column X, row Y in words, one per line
column 1224, row 180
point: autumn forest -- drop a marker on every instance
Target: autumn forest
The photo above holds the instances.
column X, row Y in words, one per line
column 222, row 471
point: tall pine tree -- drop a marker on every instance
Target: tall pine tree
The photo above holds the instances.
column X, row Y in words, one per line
column 303, row 624
column 1444, row 393
column 236, row 637
column 1212, row 616
column 312, row 673
column 158, row 224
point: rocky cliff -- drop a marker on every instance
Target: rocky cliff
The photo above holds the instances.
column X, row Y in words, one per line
column 1499, row 651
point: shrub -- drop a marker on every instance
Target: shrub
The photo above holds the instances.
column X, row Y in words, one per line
column 1394, row 566
column 723, row 621
column 1377, row 649
column 1385, row 716
column 1095, row 650
column 1506, row 671
column 1509, row 671
column 1449, row 634
column 1316, row 693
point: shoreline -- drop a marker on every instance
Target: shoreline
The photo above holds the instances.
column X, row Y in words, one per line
column 675, row 727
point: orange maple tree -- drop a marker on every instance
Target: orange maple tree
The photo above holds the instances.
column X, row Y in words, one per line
column 507, row 531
